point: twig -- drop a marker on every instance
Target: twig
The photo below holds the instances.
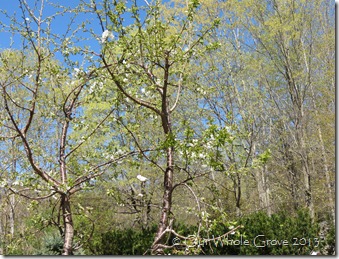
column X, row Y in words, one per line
column 28, row 197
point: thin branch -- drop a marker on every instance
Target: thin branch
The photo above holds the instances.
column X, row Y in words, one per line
column 95, row 9
column 118, row 84
column 141, row 150
column 28, row 197
column 177, row 98
column 147, row 3
column 86, row 178
column 94, row 130
column 169, row 230
column 189, row 178
column 224, row 235
column 198, row 204
column 16, row 104
column 27, row 147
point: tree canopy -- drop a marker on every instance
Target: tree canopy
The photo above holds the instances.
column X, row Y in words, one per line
column 176, row 122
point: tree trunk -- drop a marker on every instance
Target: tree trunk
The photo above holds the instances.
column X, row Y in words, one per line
column 68, row 225
column 237, row 192
column 291, row 167
column 263, row 190
column 168, row 174
column 167, row 203
column 307, row 176
column 327, row 175
column 324, row 159
column 294, row 191
column 308, row 190
column 11, row 214
column 262, row 187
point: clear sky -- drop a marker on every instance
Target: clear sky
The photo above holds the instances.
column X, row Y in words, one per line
column 59, row 23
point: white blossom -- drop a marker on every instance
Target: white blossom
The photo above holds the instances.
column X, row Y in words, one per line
column 141, row 178
column 106, row 35
column 76, row 71
column 201, row 155
column 92, row 87
column 119, row 152
column 3, row 183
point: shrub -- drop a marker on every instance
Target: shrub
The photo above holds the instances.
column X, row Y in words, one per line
column 278, row 234
column 126, row 241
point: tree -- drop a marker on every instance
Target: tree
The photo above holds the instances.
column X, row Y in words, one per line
column 155, row 115
column 284, row 38
column 44, row 102
column 148, row 65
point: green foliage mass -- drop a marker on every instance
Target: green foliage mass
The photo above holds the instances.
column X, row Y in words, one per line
column 299, row 232
column 129, row 241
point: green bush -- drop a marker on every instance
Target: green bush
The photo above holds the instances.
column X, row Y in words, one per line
column 278, row 234
column 329, row 245
column 126, row 241
column 52, row 245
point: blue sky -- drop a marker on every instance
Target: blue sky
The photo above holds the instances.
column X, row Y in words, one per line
column 58, row 24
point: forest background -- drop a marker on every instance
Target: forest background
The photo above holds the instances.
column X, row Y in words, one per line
column 167, row 127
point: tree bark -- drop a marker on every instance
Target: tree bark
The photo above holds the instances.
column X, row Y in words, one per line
column 307, row 176
column 167, row 203
column 68, row 225
column 168, row 174
column 237, row 193
column 293, row 178
column 262, row 187
column 263, row 190
column 11, row 214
